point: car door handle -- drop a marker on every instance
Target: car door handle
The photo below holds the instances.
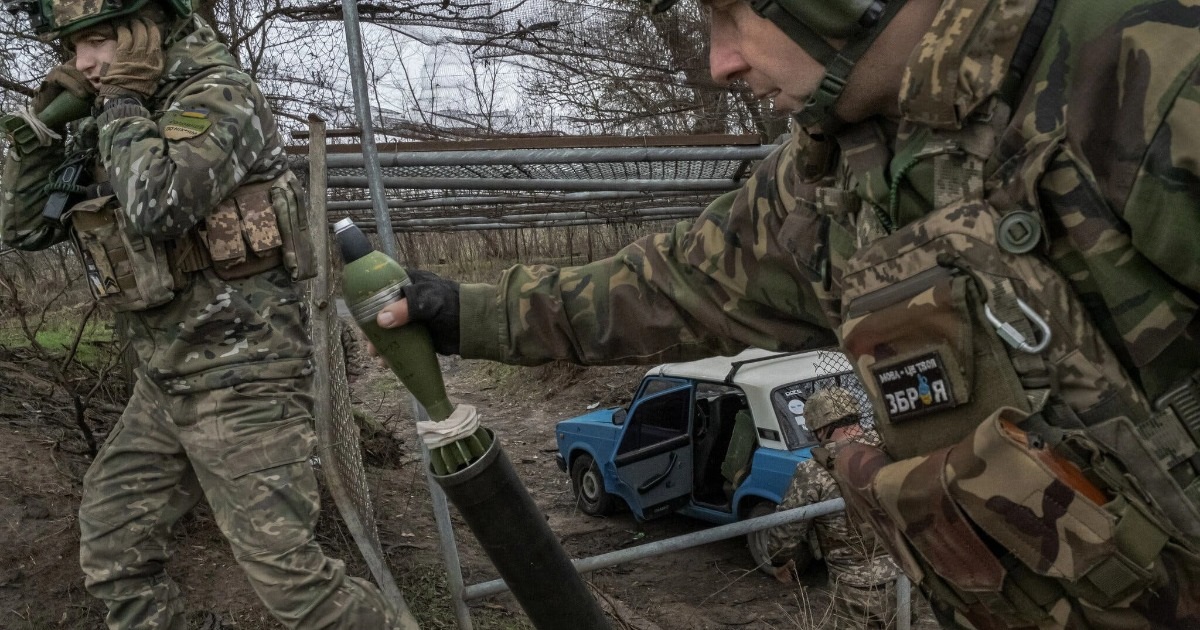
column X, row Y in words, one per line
column 652, row 482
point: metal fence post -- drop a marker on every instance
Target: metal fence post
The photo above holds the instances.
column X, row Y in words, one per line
column 362, row 108
column 445, row 529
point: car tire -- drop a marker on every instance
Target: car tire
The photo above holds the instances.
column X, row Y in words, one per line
column 758, row 544
column 588, row 484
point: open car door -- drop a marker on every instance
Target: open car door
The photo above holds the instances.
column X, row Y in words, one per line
column 654, row 458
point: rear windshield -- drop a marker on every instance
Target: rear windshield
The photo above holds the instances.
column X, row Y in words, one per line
column 789, row 401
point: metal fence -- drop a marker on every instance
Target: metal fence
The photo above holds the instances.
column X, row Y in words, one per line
column 339, row 448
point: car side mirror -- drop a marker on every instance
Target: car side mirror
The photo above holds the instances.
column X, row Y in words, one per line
column 618, row 417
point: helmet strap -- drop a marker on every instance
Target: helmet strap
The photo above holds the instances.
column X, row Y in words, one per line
column 181, row 27
column 818, row 112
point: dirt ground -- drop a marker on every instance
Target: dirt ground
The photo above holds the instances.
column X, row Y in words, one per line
column 42, row 461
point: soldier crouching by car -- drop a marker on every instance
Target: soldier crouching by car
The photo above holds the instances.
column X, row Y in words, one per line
column 862, row 575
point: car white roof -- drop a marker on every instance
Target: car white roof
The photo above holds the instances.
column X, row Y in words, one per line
column 759, row 371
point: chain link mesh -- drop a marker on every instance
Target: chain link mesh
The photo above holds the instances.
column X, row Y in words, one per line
column 340, row 449
column 841, row 373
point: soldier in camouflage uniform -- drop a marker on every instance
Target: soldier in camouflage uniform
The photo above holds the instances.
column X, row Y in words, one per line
column 193, row 226
column 861, row 574
column 991, row 205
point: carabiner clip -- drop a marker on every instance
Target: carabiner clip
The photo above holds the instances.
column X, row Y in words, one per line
column 1012, row 336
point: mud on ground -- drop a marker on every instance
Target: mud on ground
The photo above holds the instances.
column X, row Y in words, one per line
column 42, row 461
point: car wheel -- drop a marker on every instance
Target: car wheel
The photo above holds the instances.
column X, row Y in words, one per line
column 760, row 549
column 588, row 484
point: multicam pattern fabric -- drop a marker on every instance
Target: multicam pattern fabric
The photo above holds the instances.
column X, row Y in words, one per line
column 165, row 188
column 1095, row 142
column 251, row 463
column 221, row 403
column 68, row 11
column 242, row 146
column 851, row 557
column 871, row 608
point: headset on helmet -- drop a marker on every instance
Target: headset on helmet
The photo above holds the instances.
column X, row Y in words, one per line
column 811, row 24
column 54, row 19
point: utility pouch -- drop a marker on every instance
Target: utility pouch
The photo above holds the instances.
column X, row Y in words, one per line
column 291, row 212
column 241, row 234
column 259, row 227
column 1005, row 525
column 914, row 324
column 126, row 273
column 1048, row 514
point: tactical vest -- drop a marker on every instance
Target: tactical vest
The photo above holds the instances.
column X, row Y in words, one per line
column 259, row 227
column 1023, row 464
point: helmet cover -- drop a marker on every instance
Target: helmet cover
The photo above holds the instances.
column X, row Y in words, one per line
column 57, row 19
column 830, row 406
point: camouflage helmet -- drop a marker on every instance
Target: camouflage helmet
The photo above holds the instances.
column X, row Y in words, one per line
column 57, row 19
column 812, row 24
column 830, row 406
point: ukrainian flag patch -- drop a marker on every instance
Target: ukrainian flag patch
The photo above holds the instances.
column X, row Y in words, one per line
column 185, row 124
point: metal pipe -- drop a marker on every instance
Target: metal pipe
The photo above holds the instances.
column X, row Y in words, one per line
column 479, row 183
column 498, row 157
column 445, row 529
column 538, row 224
column 362, row 109
column 514, row 534
column 489, row 200
column 903, row 603
column 542, row 216
column 361, row 528
column 475, row 591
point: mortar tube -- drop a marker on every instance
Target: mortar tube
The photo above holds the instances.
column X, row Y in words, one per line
column 514, row 534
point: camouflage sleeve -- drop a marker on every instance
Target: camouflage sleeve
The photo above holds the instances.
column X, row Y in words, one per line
column 169, row 176
column 1163, row 208
column 716, row 285
column 805, row 489
column 24, row 194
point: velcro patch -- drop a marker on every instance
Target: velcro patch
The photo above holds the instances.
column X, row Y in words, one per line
column 914, row 387
column 185, row 124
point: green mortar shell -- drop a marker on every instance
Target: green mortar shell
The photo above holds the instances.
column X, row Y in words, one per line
column 369, row 284
column 65, row 108
column 449, row 459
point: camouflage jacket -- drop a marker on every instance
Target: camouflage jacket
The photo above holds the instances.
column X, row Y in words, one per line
column 214, row 333
column 1113, row 91
column 850, row 557
column 166, row 184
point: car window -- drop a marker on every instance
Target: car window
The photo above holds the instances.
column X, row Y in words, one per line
column 789, row 402
column 713, row 390
column 652, row 385
column 657, row 419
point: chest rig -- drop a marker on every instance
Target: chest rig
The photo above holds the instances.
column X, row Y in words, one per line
column 1024, row 470
column 259, row 227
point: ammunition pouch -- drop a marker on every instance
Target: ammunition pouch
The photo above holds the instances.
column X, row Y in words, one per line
column 1000, row 525
column 127, row 273
column 259, row 227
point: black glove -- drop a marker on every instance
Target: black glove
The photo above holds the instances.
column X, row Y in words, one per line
column 433, row 300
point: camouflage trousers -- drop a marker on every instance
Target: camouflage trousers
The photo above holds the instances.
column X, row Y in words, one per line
column 865, row 607
column 246, row 449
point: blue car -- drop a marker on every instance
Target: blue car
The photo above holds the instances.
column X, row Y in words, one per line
column 717, row 439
